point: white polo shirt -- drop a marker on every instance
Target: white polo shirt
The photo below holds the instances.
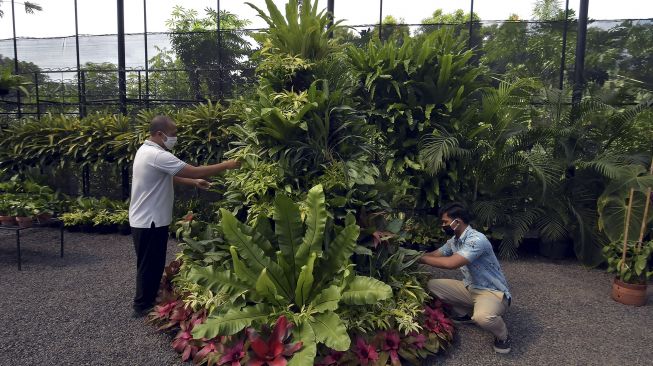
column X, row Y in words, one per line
column 152, row 193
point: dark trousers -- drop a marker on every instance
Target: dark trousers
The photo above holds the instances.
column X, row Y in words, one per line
column 151, row 245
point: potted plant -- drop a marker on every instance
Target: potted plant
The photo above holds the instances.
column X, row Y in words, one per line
column 103, row 222
column 630, row 261
column 121, row 219
column 43, row 210
column 6, row 219
column 23, row 212
column 72, row 220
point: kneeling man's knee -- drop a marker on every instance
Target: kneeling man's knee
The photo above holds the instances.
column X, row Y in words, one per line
column 484, row 318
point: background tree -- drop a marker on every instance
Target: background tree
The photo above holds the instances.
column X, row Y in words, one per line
column 30, row 7
column 212, row 71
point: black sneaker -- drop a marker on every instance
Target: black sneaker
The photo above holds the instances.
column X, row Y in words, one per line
column 502, row 346
column 465, row 319
column 139, row 313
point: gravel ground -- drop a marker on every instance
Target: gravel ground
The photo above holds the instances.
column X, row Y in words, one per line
column 76, row 311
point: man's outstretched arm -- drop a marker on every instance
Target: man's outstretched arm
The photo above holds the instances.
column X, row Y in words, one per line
column 452, row 262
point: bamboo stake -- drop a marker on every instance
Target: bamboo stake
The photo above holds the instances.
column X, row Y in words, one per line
column 628, row 210
column 642, row 229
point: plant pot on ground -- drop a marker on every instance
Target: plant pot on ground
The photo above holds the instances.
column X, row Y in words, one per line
column 87, row 227
column 74, row 228
column 6, row 220
column 105, row 228
column 630, row 260
column 628, row 293
column 44, row 217
column 24, row 221
column 124, row 229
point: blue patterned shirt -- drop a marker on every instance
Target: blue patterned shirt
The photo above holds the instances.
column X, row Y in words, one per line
column 483, row 270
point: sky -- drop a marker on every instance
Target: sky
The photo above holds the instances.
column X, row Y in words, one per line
column 99, row 16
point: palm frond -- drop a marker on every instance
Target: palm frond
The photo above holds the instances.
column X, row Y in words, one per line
column 436, row 151
column 609, row 165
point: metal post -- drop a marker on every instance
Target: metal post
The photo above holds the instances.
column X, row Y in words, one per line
column 16, row 68
column 125, row 181
column 83, row 100
column 581, row 41
column 564, row 47
column 122, row 77
column 61, row 239
column 219, row 54
column 79, row 75
column 471, row 20
column 86, row 181
column 18, row 242
column 147, row 61
column 331, row 13
column 140, row 89
column 36, row 94
column 380, row 17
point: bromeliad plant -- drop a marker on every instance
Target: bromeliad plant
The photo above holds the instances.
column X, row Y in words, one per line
column 300, row 270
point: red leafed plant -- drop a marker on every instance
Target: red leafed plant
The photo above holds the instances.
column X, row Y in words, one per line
column 365, row 352
column 436, row 321
column 273, row 351
column 416, row 340
column 332, row 359
column 183, row 343
column 390, row 343
column 233, row 355
column 211, row 351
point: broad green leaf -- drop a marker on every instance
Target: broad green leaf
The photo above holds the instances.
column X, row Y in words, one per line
column 395, row 225
column 252, row 252
column 305, row 282
column 240, row 269
column 330, row 330
column 266, row 288
column 306, row 355
column 288, row 227
column 640, row 264
column 365, row 290
column 359, row 249
column 339, row 251
column 230, row 323
column 215, row 280
column 328, row 299
column 612, row 214
column 263, row 226
column 316, row 219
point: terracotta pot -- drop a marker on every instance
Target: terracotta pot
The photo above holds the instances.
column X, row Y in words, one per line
column 44, row 217
column 628, row 293
column 7, row 221
column 24, row 221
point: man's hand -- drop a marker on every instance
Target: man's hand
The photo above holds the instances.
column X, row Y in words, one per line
column 202, row 184
column 232, row 164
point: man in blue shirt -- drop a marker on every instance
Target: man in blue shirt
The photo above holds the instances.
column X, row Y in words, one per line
column 483, row 295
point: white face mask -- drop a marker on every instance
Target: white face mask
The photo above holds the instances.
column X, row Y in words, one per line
column 169, row 142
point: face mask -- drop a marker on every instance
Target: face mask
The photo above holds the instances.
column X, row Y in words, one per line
column 449, row 230
column 169, row 142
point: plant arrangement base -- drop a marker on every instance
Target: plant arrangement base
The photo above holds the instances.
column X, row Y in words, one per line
column 628, row 294
column 24, row 222
column 7, row 221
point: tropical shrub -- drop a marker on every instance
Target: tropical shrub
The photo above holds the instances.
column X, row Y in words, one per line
column 298, row 270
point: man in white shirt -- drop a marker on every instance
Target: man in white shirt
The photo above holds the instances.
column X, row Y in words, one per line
column 150, row 210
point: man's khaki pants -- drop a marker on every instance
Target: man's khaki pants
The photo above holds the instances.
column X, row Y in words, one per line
column 485, row 306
